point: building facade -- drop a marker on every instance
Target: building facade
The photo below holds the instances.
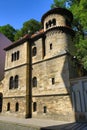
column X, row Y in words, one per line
column 38, row 69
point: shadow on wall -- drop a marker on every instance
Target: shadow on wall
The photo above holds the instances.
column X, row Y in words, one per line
column 70, row 126
column 75, row 102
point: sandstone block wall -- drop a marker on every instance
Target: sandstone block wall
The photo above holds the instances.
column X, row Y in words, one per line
column 22, row 56
column 55, row 97
column 57, row 107
column 18, row 95
column 60, row 20
column 56, row 68
column 21, row 90
column 13, row 100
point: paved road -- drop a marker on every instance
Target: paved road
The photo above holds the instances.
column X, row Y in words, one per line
column 43, row 124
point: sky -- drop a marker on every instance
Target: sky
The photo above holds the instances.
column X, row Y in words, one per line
column 16, row 12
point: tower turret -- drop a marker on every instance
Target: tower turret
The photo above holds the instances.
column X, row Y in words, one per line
column 57, row 27
column 57, row 17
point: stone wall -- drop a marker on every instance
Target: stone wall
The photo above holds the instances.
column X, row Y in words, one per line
column 22, row 56
column 60, row 20
column 54, row 96
column 18, row 94
column 56, row 68
column 58, row 107
column 21, row 90
column 38, row 44
column 12, row 112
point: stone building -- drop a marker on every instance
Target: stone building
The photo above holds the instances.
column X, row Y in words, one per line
column 38, row 70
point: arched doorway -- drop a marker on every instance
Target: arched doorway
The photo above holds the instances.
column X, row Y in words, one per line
column 1, row 99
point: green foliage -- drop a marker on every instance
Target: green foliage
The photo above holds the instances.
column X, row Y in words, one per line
column 8, row 31
column 61, row 3
column 58, row 3
column 79, row 10
column 18, row 35
column 30, row 27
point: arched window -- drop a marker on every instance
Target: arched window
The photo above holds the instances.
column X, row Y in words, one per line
column 54, row 21
column 17, row 55
column 17, row 107
column 16, row 81
column 11, row 83
column 34, row 82
column 34, row 106
column 8, row 106
column 34, row 51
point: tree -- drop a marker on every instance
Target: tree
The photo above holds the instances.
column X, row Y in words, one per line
column 18, row 35
column 58, row 3
column 8, row 31
column 30, row 27
column 79, row 10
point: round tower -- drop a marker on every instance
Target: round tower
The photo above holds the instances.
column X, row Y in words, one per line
column 57, row 27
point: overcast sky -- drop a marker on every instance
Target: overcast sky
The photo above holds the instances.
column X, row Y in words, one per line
column 16, row 12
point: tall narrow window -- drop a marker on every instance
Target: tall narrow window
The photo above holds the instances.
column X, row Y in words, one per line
column 12, row 57
column 34, row 51
column 54, row 21
column 44, row 109
column 53, row 80
column 17, row 55
column 8, row 107
column 34, row 106
column 34, row 82
column 16, row 81
column 51, row 46
column 46, row 25
column 11, row 83
column 50, row 23
column 17, row 107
